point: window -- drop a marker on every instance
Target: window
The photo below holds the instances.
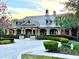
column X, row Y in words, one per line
column 16, row 23
column 46, row 21
column 28, row 22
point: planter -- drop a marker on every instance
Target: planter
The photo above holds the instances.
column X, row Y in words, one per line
column 32, row 37
column 21, row 37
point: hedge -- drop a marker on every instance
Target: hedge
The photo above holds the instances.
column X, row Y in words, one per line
column 6, row 40
column 13, row 36
column 64, row 40
column 11, row 39
column 51, row 45
column 63, row 36
column 60, row 39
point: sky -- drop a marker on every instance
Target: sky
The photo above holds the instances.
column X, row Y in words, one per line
column 23, row 8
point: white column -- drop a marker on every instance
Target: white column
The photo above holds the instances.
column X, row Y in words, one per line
column 32, row 31
column 7, row 31
column 48, row 32
column 22, row 31
column 35, row 31
column 59, row 31
column 70, row 33
column 4, row 31
column 15, row 32
column 38, row 32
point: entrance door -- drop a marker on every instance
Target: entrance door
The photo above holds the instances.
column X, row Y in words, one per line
column 28, row 32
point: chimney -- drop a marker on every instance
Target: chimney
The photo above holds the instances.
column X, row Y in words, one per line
column 47, row 12
column 54, row 13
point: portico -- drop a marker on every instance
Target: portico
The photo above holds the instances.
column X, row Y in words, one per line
column 34, row 31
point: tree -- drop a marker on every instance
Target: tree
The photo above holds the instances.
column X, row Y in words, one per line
column 66, row 21
column 73, row 5
column 3, row 17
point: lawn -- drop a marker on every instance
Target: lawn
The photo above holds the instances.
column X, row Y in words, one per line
column 29, row 56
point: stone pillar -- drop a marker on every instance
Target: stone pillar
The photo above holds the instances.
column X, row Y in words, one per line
column 22, row 31
column 38, row 32
column 32, row 31
column 59, row 31
column 70, row 33
column 7, row 31
column 48, row 32
column 4, row 31
column 15, row 32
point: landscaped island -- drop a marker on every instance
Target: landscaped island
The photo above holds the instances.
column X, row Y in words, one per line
column 67, row 46
column 6, row 41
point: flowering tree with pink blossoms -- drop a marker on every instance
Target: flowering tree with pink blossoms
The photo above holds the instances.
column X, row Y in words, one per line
column 3, row 17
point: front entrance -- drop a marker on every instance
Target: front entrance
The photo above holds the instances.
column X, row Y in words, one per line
column 18, row 31
column 28, row 32
column 42, row 32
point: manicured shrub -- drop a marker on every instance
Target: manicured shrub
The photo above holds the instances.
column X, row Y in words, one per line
column 64, row 40
column 55, row 38
column 51, row 45
column 5, row 41
column 11, row 39
column 11, row 36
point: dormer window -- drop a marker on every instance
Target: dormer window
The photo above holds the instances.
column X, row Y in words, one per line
column 28, row 22
column 16, row 23
column 46, row 21
column 23, row 21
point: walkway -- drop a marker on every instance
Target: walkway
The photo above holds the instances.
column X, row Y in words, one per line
column 14, row 51
column 11, row 51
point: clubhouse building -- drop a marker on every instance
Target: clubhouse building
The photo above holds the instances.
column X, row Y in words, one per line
column 35, row 25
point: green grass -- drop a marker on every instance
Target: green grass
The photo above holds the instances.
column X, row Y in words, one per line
column 29, row 56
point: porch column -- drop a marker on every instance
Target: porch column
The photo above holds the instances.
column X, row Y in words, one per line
column 15, row 32
column 4, row 31
column 59, row 31
column 22, row 31
column 38, row 32
column 7, row 31
column 70, row 33
column 32, row 31
column 48, row 32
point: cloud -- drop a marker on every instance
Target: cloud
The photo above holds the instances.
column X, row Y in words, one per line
column 40, row 7
column 23, row 12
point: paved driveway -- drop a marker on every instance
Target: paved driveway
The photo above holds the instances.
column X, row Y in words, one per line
column 11, row 51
